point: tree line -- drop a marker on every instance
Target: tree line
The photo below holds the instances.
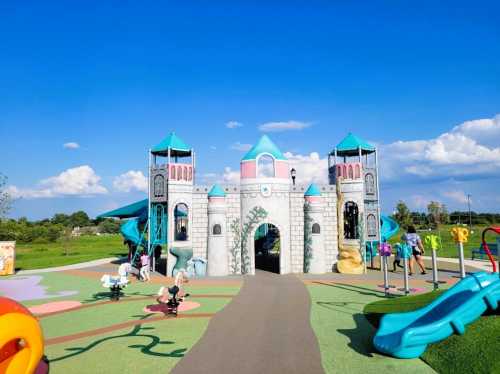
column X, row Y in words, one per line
column 437, row 214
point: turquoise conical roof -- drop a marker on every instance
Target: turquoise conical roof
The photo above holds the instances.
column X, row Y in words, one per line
column 173, row 142
column 216, row 191
column 264, row 145
column 313, row 190
column 353, row 143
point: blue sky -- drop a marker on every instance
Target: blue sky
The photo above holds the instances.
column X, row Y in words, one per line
column 116, row 78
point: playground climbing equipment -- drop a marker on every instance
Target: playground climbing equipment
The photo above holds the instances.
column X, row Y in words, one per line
column 460, row 235
column 487, row 249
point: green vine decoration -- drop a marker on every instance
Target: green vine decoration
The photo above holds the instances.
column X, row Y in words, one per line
column 236, row 248
column 254, row 216
column 308, row 251
column 361, row 233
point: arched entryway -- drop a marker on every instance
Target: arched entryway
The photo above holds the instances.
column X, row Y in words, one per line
column 351, row 215
column 267, row 248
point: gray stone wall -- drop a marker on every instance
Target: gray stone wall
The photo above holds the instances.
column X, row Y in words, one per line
column 199, row 229
column 233, row 212
column 297, row 228
column 330, row 226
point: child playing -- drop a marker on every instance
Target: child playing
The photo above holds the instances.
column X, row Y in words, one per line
column 177, row 290
column 144, row 267
column 397, row 258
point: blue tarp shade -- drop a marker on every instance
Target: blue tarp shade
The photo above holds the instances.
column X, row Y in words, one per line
column 137, row 209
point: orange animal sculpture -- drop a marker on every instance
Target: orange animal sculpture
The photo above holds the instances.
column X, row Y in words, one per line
column 21, row 340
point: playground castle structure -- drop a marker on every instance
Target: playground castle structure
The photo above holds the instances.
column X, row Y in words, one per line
column 264, row 222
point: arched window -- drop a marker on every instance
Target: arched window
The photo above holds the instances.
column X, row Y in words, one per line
column 190, row 176
column 181, row 221
column 159, row 185
column 316, row 229
column 351, row 174
column 265, row 167
column 185, row 173
column 344, row 171
column 179, row 172
column 371, row 223
column 351, row 216
column 173, row 172
column 357, row 172
column 339, row 171
column 217, row 229
column 369, row 184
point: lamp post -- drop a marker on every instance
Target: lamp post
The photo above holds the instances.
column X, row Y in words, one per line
column 293, row 173
column 470, row 214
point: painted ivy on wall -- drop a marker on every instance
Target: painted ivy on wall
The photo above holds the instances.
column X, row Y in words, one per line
column 253, row 217
column 308, row 250
column 236, row 247
column 361, row 232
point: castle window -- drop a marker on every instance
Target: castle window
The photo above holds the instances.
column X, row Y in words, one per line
column 265, row 167
column 179, row 172
column 351, row 175
column 159, row 186
column 316, row 229
column 369, row 184
column 190, row 176
column 357, row 172
column 185, row 173
column 351, row 216
column 181, row 221
column 173, row 172
column 217, row 229
column 339, row 171
column 371, row 223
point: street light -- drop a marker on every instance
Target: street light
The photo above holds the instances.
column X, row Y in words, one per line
column 293, row 173
column 470, row 214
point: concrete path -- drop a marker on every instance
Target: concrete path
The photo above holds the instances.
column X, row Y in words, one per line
column 81, row 265
column 265, row 329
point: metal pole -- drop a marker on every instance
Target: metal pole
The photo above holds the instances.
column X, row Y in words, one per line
column 149, row 209
column 378, row 197
column 406, row 288
column 461, row 259
column 435, row 279
column 470, row 214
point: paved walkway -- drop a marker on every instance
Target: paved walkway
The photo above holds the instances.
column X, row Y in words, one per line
column 265, row 329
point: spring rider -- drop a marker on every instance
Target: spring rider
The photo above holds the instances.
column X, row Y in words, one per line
column 21, row 340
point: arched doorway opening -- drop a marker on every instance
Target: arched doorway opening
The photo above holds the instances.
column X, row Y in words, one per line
column 351, row 215
column 267, row 248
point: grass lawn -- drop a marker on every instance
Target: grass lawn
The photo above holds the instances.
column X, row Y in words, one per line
column 474, row 352
column 449, row 247
column 80, row 249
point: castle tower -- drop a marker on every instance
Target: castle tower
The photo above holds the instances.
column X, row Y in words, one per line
column 171, row 179
column 265, row 208
column 353, row 166
column 314, row 254
column 217, row 249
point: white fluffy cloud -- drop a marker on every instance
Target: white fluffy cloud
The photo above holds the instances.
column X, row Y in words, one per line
column 233, row 124
column 310, row 168
column 283, row 126
column 71, row 145
column 78, row 181
column 456, row 196
column 242, row 147
column 471, row 149
column 131, row 180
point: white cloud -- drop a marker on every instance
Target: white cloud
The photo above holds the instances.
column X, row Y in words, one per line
column 456, row 196
column 310, row 168
column 233, row 124
column 283, row 126
column 471, row 149
column 213, row 148
column 71, row 145
column 131, row 180
column 243, row 147
column 79, row 181
column 231, row 176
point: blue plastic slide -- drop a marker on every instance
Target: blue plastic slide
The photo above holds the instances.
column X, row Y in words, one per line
column 389, row 228
column 130, row 231
column 406, row 335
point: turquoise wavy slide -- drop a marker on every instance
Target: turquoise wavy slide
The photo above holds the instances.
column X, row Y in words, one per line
column 407, row 335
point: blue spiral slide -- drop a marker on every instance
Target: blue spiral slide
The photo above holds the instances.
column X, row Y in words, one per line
column 407, row 335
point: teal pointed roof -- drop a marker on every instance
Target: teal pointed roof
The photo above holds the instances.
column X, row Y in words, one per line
column 313, row 190
column 177, row 146
column 216, row 191
column 351, row 145
column 264, row 145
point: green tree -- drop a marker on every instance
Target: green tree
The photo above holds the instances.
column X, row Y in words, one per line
column 109, row 226
column 403, row 215
column 61, row 219
column 79, row 219
column 437, row 213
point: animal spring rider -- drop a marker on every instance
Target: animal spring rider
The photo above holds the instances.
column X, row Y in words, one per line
column 385, row 250
column 434, row 242
column 21, row 340
column 117, row 283
column 460, row 236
